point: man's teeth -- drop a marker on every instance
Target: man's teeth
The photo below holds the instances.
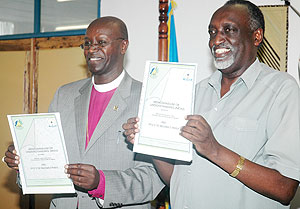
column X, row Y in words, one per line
column 221, row 51
column 95, row 58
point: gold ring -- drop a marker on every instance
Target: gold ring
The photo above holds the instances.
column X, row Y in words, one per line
column 3, row 159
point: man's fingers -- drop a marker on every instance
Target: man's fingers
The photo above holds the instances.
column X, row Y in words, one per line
column 130, row 133
column 74, row 169
column 130, row 129
column 11, row 148
column 189, row 136
column 130, row 122
column 83, row 175
column 80, row 169
column 78, row 165
column 11, row 163
column 77, row 180
column 11, row 155
column 11, row 160
column 13, row 166
column 196, row 121
column 133, row 120
column 81, row 182
column 130, row 125
column 190, row 132
column 11, row 152
column 193, row 117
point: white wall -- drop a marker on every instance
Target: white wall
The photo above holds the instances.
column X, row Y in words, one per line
column 191, row 19
column 294, row 41
column 141, row 18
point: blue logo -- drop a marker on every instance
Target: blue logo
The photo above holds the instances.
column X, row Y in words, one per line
column 153, row 72
column 18, row 124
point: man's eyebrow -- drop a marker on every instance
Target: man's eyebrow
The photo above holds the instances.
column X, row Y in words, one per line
column 229, row 23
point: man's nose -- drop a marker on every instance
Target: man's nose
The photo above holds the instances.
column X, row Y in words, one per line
column 94, row 47
column 219, row 38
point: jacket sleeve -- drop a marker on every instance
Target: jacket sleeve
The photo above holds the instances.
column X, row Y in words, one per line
column 134, row 185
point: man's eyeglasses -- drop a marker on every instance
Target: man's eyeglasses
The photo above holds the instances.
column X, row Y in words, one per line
column 101, row 44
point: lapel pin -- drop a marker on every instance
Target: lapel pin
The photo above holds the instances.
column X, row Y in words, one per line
column 116, row 108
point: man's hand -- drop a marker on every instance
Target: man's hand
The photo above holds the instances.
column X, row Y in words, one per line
column 83, row 175
column 198, row 131
column 11, row 158
column 131, row 128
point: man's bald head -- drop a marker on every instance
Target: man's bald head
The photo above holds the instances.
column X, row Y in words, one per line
column 113, row 22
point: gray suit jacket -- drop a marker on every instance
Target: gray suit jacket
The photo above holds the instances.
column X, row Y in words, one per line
column 129, row 178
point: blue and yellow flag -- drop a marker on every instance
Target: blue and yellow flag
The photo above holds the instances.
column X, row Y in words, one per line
column 172, row 42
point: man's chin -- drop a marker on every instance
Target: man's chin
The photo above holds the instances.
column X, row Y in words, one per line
column 95, row 69
column 223, row 64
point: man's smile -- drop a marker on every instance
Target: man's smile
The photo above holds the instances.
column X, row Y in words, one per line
column 95, row 58
column 221, row 52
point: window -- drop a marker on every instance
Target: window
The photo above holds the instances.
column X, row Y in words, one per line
column 16, row 16
column 43, row 18
column 60, row 15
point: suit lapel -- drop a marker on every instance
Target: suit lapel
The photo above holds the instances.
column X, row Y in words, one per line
column 81, row 113
column 113, row 111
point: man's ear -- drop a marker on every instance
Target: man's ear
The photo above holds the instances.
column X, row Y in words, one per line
column 124, row 46
column 258, row 36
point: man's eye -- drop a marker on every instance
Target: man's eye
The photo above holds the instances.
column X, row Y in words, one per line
column 87, row 43
column 228, row 29
column 211, row 32
column 102, row 43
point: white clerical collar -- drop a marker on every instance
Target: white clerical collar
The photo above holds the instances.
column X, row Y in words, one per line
column 109, row 86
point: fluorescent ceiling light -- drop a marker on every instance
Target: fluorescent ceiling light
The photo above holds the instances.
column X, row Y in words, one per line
column 71, row 27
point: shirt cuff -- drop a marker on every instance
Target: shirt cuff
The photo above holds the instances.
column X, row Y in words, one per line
column 100, row 190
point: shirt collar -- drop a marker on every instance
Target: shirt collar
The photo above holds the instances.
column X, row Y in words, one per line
column 215, row 79
column 109, row 86
column 251, row 74
column 248, row 77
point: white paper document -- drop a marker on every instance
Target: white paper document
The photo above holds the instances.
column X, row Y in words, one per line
column 39, row 141
column 167, row 97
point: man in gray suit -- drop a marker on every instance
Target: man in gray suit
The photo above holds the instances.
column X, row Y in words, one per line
column 105, row 171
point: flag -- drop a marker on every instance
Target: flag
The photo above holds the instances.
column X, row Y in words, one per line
column 172, row 42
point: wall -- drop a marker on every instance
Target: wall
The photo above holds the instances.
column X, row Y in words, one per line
column 192, row 18
column 56, row 67
column 141, row 18
column 11, row 90
column 294, row 41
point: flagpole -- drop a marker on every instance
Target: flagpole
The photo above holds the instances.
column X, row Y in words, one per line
column 163, row 31
column 288, row 3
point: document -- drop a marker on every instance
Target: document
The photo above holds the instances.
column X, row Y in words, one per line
column 39, row 141
column 167, row 97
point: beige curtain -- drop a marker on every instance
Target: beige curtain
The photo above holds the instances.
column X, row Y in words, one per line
column 273, row 50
